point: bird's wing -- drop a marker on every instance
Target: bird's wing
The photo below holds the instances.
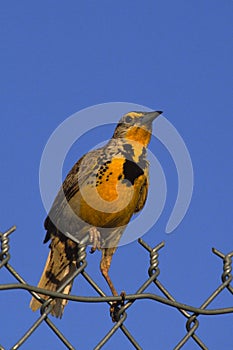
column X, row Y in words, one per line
column 61, row 262
column 75, row 178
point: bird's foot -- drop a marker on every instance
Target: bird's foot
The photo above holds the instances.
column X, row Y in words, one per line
column 116, row 306
column 94, row 239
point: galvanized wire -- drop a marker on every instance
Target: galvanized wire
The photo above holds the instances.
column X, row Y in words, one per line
column 123, row 302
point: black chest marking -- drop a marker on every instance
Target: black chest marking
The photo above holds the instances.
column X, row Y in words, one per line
column 131, row 171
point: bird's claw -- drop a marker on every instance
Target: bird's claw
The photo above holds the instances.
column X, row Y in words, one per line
column 116, row 306
column 94, row 239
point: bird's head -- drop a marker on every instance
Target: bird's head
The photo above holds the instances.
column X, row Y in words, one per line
column 136, row 126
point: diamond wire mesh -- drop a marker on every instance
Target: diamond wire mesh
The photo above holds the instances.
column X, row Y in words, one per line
column 124, row 302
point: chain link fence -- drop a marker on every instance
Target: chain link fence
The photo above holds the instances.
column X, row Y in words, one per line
column 122, row 302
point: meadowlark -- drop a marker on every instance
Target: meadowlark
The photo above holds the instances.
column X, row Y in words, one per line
column 97, row 199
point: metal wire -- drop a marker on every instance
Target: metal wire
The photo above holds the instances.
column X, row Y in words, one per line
column 122, row 302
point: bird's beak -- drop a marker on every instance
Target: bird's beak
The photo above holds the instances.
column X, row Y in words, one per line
column 149, row 117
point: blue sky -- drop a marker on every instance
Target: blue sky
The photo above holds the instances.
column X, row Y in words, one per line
column 57, row 59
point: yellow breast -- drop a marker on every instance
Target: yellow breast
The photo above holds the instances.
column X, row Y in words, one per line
column 110, row 199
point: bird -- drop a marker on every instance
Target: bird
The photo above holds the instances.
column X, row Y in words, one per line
column 97, row 199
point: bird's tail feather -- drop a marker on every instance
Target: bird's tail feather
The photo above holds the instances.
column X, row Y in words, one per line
column 57, row 270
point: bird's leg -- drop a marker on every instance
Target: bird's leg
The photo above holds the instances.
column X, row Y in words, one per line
column 94, row 239
column 105, row 263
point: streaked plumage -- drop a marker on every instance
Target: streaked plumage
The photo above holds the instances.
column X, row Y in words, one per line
column 102, row 191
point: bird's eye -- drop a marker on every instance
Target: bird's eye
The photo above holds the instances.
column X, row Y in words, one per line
column 128, row 119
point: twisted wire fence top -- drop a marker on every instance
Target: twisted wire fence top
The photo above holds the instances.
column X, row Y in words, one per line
column 124, row 302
